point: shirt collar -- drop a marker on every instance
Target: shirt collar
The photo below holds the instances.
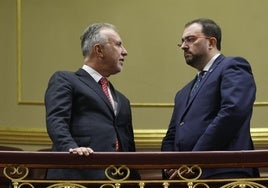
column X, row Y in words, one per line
column 97, row 76
column 211, row 61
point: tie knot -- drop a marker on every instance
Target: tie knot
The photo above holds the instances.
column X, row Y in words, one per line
column 202, row 73
column 103, row 81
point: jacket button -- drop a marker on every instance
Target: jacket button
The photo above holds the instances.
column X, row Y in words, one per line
column 181, row 123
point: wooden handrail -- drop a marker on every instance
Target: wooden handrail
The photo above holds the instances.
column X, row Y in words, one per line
column 20, row 168
column 138, row 160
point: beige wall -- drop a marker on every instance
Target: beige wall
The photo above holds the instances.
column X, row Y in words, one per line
column 154, row 69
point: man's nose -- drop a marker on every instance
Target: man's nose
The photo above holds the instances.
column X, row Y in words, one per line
column 124, row 52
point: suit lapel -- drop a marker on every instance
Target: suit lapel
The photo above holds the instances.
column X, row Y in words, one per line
column 206, row 76
column 116, row 99
column 199, row 87
column 92, row 84
column 208, row 73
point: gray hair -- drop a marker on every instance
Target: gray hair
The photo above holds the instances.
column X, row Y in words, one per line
column 92, row 36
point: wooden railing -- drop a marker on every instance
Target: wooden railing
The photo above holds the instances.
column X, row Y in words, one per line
column 21, row 169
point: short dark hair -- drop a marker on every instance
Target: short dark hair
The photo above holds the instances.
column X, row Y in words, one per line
column 209, row 28
column 92, row 36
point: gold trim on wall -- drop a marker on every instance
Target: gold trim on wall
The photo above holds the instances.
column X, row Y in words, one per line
column 19, row 73
column 144, row 138
column 19, row 57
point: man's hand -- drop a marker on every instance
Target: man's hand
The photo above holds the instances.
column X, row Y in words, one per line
column 81, row 151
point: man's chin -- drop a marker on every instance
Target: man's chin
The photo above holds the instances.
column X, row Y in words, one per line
column 191, row 63
column 188, row 61
column 119, row 69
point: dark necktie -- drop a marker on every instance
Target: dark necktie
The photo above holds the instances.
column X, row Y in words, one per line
column 104, row 84
column 197, row 83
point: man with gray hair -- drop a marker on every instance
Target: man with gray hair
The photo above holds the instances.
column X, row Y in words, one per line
column 84, row 112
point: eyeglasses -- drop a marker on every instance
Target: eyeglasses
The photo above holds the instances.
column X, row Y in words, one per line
column 191, row 39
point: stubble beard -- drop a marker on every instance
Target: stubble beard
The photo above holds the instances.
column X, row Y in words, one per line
column 194, row 60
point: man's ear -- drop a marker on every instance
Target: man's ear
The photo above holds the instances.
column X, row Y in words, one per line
column 213, row 41
column 98, row 49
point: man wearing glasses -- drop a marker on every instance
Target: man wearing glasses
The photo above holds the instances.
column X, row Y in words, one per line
column 213, row 111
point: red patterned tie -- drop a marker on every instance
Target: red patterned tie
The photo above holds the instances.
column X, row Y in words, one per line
column 104, row 84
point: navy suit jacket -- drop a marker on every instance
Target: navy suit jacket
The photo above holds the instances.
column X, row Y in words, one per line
column 78, row 114
column 217, row 117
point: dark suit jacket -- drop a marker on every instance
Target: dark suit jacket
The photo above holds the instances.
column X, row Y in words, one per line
column 79, row 114
column 218, row 116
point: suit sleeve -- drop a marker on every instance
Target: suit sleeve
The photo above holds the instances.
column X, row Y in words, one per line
column 169, row 139
column 58, row 103
column 237, row 92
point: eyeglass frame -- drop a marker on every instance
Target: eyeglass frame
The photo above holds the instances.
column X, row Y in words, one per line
column 191, row 39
